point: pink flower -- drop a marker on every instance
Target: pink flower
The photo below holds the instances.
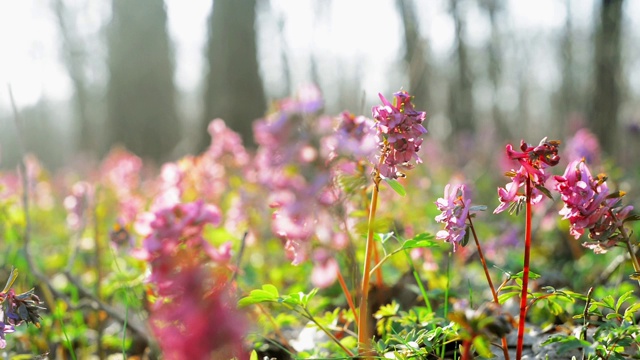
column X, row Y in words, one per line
column 199, row 319
column 455, row 210
column 533, row 160
column 589, row 206
column 399, row 129
column 325, row 269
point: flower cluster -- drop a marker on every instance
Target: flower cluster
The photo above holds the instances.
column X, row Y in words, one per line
column 17, row 309
column 354, row 138
column 455, row 209
column 193, row 315
column 399, row 129
column 292, row 162
column 589, row 205
column 533, row 160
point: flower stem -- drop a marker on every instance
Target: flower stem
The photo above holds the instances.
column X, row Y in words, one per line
column 505, row 346
column 347, row 294
column 376, row 260
column 627, row 241
column 525, row 272
column 308, row 315
column 363, row 316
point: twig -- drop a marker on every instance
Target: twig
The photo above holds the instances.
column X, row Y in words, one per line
column 111, row 311
column 243, row 243
column 583, row 333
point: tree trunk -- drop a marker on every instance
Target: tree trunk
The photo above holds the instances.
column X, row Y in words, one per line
column 415, row 55
column 461, row 107
column 494, row 50
column 234, row 89
column 141, row 94
column 603, row 119
column 74, row 61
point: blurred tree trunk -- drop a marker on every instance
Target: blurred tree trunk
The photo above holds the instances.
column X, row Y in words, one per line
column 494, row 50
column 567, row 101
column 141, row 94
column 603, row 119
column 234, row 89
column 74, row 61
column 461, row 107
column 415, row 55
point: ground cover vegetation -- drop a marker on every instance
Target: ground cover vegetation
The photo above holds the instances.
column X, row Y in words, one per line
column 338, row 237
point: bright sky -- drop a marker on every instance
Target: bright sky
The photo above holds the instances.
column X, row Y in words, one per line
column 367, row 31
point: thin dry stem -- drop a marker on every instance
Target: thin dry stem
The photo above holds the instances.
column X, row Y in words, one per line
column 505, row 345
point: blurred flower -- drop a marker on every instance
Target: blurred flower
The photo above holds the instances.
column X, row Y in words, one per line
column 193, row 316
column 354, row 138
column 77, row 204
column 4, row 329
column 399, row 129
column 198, row 320
column 583, row 144
column 455, row 209
column 325, row 269
column 533, row 160
column 588, row 205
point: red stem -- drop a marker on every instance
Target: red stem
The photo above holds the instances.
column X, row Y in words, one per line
column 466, row 352
column 525, row 273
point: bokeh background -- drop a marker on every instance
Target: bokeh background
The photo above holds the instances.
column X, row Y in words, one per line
column 151, row 74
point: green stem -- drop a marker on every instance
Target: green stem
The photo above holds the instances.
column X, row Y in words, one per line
column 308, row 315
column 627, row 241
column 525, row 274
column 505, row 346
column 416, row 276
column 446, row 297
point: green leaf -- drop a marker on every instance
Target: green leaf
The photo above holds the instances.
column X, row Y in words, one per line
column 383, row 237
column 631, row 310
column 545, row 191
column 305, row 299
column 624, row 297
column 413, row 243
column 268, row 293
column 611, row 316
column 502, row 298
column 554, row 308
column 270, row 289
column 396, row 186
column 254, row 355
column 483, row 346
column 478, row 208
column 608, row 302
column 532, row 275
column 465, row 240
column 633, row 217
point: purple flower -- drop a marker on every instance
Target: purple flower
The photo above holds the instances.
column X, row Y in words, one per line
column 4, row 329
column 399, row 129
column 584, row 144
column 589, row 206
column 455, row 210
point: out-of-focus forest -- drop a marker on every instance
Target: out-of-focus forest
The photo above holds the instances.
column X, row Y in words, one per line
column 150, row 74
